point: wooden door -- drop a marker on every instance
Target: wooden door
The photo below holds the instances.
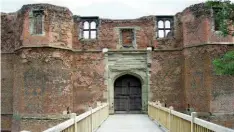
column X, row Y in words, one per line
column 127, row 94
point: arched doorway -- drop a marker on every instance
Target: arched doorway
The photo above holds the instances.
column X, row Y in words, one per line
column 127, row 94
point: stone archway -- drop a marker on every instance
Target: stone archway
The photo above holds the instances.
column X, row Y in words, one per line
column 127, row 94
column 142, row 78
column 127, row 63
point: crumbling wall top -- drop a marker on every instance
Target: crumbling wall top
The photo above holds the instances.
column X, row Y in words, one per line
column 44, row 6
column 144, row 18
column 198, row 10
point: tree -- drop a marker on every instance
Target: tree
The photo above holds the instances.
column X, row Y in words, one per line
column 225, row 15
column 225, row 64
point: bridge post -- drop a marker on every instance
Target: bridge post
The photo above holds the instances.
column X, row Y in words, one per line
column 73, row 115
column 91, row 118
column 170, row 108
column 193, row 114
column 169, row 127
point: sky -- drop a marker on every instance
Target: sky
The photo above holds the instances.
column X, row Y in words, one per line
column 114, row 9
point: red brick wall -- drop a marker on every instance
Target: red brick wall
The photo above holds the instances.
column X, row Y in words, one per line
column 127, row 37
column 166, row 80
column 197, row 78
column 198, row 27
column 38, row 125
column 108, row 33
column 192, row 26
column 206, row 91
column 222, row 86
column 145, row 27
column 11, row 30
column 42, row 82
column 48, row 81
column 57, row 26
column 222, row 94
column 88, row 80
column 7, row 62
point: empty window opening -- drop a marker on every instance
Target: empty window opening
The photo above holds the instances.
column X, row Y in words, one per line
column 86, row 25
column 160, row 24
column 164, row 26
column 167, row 24
column 216, row 13
column 93, row 25
column 127, row 37
column 88, row 29
column 38, row 22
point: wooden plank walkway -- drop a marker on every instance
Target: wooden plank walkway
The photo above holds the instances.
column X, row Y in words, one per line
column 129, row 123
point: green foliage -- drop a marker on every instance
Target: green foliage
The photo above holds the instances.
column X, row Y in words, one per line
column 225, row 65
column 225, row 15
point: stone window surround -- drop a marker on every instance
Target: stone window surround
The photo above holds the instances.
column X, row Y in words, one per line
column 164, row 18
column 81, row 26
column 31, row 20
column 123, row 37
column 119, row 32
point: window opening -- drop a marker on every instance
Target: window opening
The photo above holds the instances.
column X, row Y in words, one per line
column 88, row 27
column 38, row 22
column 165, row 26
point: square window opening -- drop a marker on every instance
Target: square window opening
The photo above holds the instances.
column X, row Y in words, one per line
column 127, row 37
column 88, row 27
column 164, row 26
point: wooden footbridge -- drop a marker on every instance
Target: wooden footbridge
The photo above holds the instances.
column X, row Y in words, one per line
column 158, row 119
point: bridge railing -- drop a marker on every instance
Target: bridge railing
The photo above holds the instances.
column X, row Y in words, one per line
column 86, row 122
column 178, row 122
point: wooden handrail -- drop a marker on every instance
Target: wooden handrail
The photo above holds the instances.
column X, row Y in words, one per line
column 72, row 124
column 178, row 122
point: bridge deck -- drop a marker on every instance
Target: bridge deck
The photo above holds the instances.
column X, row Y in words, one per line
column 129, row 123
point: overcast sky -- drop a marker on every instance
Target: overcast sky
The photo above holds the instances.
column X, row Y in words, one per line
column 115, row 9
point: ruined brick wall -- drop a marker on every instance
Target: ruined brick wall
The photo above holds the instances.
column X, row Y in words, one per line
column 47, row 81
column 11, row 29
column 222, row 94
column 198, row 26
column 222, row 86
column 88, row 80
column 197, row 78
column 166, row 80
column 206, row 91
column 200, row 81
column 57, row 22
column 42, row 85
column 195, row 24
column 109, row 33
column 42, row 81
column 145, row 27
column 7, row 70
column 38, row 82
column 172, row 41
column 35, row 125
